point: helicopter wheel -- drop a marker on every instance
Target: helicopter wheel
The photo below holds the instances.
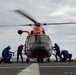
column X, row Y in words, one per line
column 48, row 59
column 41, row 60
column 38, row 60
column 27, row 60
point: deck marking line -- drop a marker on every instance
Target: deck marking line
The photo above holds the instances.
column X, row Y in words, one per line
column 33, row 69
column 58, row 66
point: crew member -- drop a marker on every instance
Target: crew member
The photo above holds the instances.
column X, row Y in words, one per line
column 19, row 52
column 6, row 55
column 57, row 49
column 66, row 55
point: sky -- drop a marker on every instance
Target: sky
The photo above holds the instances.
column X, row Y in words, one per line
column 43, row 11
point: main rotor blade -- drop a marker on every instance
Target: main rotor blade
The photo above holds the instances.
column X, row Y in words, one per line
column 17, row 25
column 40, row 24
column 59, row 23
column 22, row 13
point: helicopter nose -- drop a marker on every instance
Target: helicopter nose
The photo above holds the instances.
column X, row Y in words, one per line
column 40, row 51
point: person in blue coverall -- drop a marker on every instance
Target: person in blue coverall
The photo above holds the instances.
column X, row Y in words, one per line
column 57, row 49
column 66, row 55
column 6, row 55
column 19, row 52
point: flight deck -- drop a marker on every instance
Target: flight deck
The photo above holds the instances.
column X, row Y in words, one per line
column 34, row 68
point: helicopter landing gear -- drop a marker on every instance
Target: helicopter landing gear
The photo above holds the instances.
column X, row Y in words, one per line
column 27, row 60
column 39, row 60
column 48, row 59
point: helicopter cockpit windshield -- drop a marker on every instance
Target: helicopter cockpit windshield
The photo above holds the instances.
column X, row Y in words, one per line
column 39, row 40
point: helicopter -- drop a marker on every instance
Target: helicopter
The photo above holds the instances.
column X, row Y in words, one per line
column 38, row 45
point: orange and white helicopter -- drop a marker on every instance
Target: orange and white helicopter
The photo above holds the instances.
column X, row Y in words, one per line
column 37, row 45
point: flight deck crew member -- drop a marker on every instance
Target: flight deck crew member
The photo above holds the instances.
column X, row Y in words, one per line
column 6, row 55
column 57, row 49
column 19, row 52
column 66, row 55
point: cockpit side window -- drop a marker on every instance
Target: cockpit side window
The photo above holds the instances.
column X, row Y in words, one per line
column 32, row 39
